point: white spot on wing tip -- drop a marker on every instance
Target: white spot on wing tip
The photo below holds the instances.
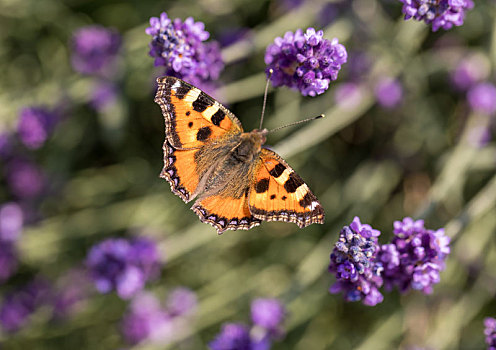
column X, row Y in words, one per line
column 314, row 205
column 176, row 85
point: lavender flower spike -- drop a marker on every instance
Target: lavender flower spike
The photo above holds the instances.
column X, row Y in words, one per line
column 490, row 332
column 305, row 61
column 353, row 261
column 439, row 13
column 181, row 48
column 35, row 125
column 269, row 315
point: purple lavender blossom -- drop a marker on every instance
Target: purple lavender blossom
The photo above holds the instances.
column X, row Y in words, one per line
column 305, row 61
column 24, row 178
column 233, row 336
column 35, row 125
column 181, row 48
column 388, row 92
column 469, row 71
column 145, row 319
column 490, row 332
column 11, row 221
column 8, row 260
column 123, row 265
column 348, row 95
column 439, row 13
column 181, row 301
column 353, row 261
column 94, row 49
column 104, row 94
column 268, row 314
column 482, row 98
column 421, row 255
column 20, row 304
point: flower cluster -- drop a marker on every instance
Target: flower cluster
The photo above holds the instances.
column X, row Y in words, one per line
column 181, row 48
column 482, row 98
column 439, row 13
column 267, row 316
column 490, row 332
column 413, row 260
column 94, row 49
column 304, row 61
column 352, row 261
column 388, row 92
column 148, row 320
column 35, row 125
column 123, row 265
column 11, row 224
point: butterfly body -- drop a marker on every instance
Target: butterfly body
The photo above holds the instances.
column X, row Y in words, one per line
column 236, row 181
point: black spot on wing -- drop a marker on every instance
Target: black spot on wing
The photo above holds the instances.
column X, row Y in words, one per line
column 182, row 90
column 278, row 170
column 218, row 117
column 202, row 102
column 188, row 113
column 262, row 186
column 203, row 133
column 190, row 124
column 272, row 196
column 293, row 182
column 307, row 200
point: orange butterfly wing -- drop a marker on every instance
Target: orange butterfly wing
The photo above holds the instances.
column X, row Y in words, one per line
column 279, row 194
column 192, row 120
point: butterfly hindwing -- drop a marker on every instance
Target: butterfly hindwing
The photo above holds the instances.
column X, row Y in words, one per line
column 226, row 213
column 192, row 118
column 279, row 194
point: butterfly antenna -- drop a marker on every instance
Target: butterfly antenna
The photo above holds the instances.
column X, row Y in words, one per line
column 265, row 96
column 298, row 122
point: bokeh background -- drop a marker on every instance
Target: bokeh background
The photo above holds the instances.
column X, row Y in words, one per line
column 430, row 154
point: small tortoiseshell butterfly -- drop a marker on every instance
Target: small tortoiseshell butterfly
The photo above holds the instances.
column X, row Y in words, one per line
column 237, row 182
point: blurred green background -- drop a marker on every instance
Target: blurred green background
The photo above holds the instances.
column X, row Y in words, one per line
column 364, row 160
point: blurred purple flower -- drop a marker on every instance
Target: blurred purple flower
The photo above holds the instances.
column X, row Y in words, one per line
column 353, row 264
column 358, row 65
column 233, row 336
column 181, row 301
column 144, row 319
column 24, row 178
column 123, row 265
column 348, row 95
column 268, row 314
column 482, row 98
column 490, row 332
column 469, row 71
column 20, row 304
column 179, row 46
column 388, row 92
column 305, row 61
column 11, row 221
column 35, row 125
column 94, row 49
column 421, row 255
column 104, row 94
column 8, row 260
column 439, row 13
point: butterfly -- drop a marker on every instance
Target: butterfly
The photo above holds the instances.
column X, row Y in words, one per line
column 237, row 182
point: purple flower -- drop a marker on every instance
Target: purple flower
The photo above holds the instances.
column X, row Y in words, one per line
column 181, row 48
column 353, row 261
column 490, row 332
column 35, row 125
column 5, row 144
column 94, row 49
column 233, row 336
column 25, row 179
column 123, row 265
column 482, row 98
column 305, row 61
column 388, row 92
column 421, row 255
column 11, row 221
column 268, row 314
column 20, row 304
column 181, row 301
column 145, row 318
column 8, row 260
column 470, row 71
column 439, row 13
